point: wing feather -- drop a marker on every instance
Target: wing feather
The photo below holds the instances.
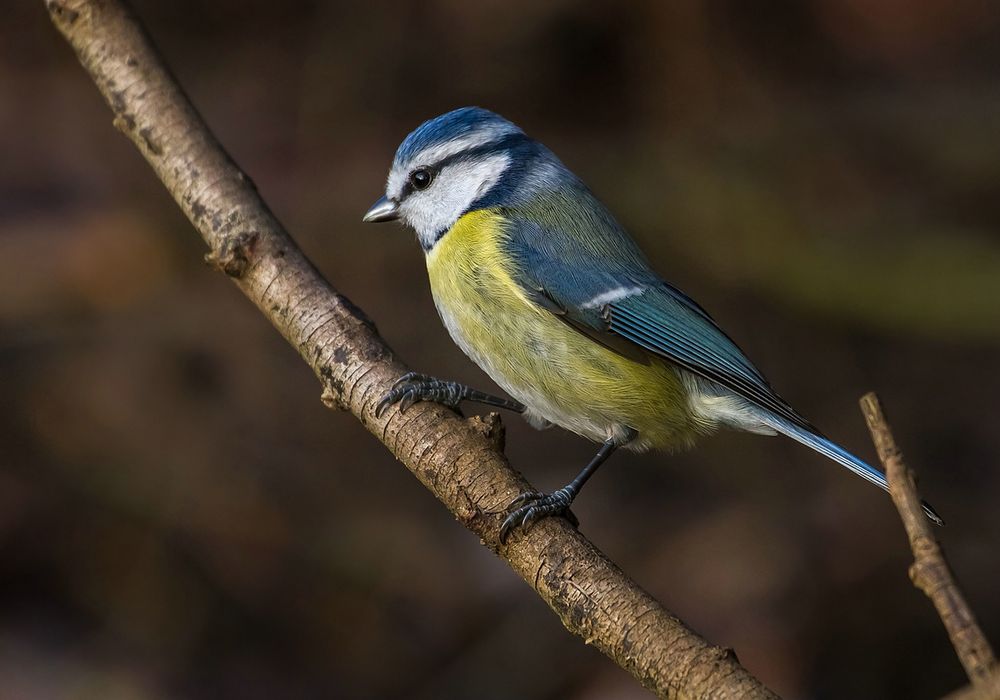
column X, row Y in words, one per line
column 564, row 276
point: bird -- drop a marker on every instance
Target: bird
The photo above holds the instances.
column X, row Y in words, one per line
column 537, row 282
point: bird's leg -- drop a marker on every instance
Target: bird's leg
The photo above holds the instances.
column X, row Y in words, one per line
column 530, row 507
column 413, row 387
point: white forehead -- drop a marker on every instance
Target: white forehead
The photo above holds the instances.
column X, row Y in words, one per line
column 436, row 152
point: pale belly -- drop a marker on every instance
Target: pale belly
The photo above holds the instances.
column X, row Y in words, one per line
column 561, row 375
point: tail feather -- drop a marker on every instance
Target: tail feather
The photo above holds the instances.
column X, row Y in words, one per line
column 841, row 456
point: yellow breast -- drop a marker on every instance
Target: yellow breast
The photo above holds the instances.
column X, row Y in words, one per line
column 563, row 376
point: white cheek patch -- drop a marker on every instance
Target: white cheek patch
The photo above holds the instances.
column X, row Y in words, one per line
column 454, row 189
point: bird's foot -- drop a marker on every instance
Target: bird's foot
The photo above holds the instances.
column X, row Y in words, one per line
column 413, row 387
column 530, row 507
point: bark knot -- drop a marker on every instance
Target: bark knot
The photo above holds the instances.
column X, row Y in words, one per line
column 490, row 427
column 233, row 257
column 61, row 14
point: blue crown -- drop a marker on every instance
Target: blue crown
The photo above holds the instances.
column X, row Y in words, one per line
column 450, row 126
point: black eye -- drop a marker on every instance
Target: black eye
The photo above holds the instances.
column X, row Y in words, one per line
column 421, row 178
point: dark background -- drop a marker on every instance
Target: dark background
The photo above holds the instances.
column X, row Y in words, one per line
column 181, row 517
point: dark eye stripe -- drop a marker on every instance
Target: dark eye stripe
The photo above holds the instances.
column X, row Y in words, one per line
column 506, row 143
column 503, row 144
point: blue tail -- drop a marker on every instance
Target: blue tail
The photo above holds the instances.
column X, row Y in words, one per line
column 841, row 456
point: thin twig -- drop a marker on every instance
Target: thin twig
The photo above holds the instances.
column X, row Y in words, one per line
column 460, row 461
column 987, row 689
column 929, row 572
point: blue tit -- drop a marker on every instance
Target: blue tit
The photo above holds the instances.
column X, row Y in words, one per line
column 538, row 283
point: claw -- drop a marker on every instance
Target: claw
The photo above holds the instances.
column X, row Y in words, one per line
column 383, row 404
column 514, row 520
column 407, row 378
column 409, row 398
column 524, row 498
column 400, row 393
column 530, row 507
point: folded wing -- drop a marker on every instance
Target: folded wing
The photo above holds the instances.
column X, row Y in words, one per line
column 620, row 302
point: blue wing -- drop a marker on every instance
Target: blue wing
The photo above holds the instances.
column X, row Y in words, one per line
column 571, row 272
column 662, row 322
column 572, row 280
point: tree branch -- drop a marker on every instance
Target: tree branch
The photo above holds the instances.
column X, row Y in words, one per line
column 929, row 572
column 459, row 461
column 984, row 689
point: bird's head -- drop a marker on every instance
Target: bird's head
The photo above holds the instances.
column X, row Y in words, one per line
column 445, row 167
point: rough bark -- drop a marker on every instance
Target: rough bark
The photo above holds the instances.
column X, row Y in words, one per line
column 460, row 461
column 930, row 571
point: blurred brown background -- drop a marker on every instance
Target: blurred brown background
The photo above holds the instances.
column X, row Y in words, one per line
column 181, row 517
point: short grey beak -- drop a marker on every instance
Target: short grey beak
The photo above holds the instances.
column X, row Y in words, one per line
column 383, row 210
